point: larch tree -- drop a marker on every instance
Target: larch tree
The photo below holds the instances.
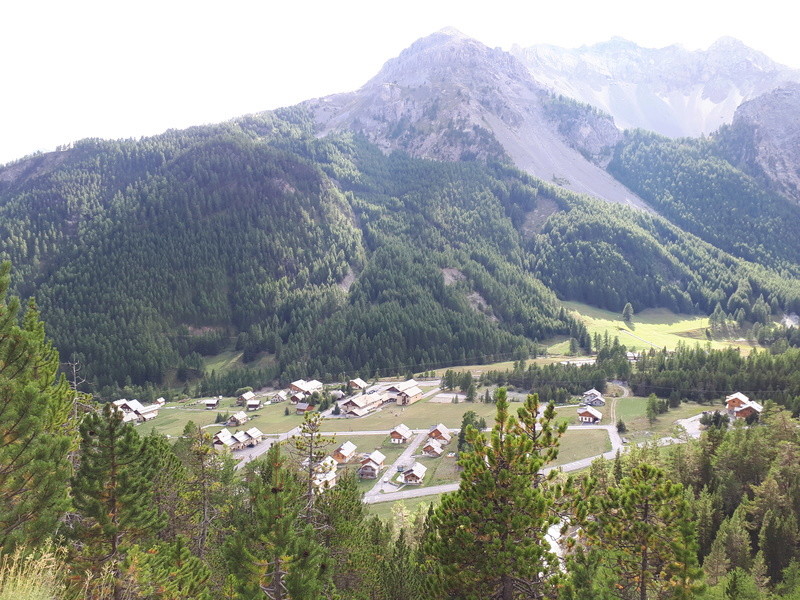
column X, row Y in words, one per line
column 35, row 405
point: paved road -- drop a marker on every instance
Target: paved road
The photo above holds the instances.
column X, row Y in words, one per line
column 403, row 459
column 616, row 444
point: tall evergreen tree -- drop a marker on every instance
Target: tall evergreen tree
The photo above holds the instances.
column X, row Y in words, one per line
column 273, row 550
column 488, row 538
column 644, row 528
column 112, row 493
column 35, row 406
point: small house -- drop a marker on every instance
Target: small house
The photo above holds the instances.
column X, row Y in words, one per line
column 242, row 400
column 356, row 385
column 371, row 465
column 441, row 434
column 741, row 407
column 223, row 440
column 415, row 474
column 306, row 387
column 589, row 414
column 134, row 412
column 253, row 404
column 324, row 475
column 409, row 395
column 256, row 436
column 297, row 397
column 281, row 396
column 593, row 398
column 432, row 448
column 237, row 419
column 400, row 434
column 211, row 403
column 303, row 407
column 358, row 406
column 345, row 452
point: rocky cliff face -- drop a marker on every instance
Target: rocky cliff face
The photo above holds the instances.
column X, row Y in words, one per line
column 449, row 97
column 671, row 91
column 764, row 139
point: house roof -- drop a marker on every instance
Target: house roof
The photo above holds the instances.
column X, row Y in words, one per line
column 212, row 401
column 403, row 430
column 737, row 396
column 347, row 449
column 358, row 382
column 304, row 406
column 750, row 404
column 255, row 432
column 282, row 394
column 441, row 430
column 592, row 392
column 412, row 391
column 240, row 416
column 247, row 396
column 223, row 436
column 403, row 385
column 241, row 436
column 417, row 469
column 377, row 457
column 591, row 410
column 253, row 402
column 433, row 445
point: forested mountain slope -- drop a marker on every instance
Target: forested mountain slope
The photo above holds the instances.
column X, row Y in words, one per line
column 326, row 255
column 690, row 182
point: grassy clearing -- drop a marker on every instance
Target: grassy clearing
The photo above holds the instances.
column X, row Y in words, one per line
column 232, row 359
column 653, row 327
column 632, row 411
column 172, row 419
column 576, row 445
column 387, row 510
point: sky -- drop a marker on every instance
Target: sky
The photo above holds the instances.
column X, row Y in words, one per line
column 118, row 69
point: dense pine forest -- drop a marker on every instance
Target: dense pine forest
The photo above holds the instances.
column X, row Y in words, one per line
column 327, row 258
column 93, row 510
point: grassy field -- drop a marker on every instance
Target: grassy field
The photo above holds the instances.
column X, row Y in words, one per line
column 172, row 419
column 653, row 327
column 632, row 411
column 386, row 510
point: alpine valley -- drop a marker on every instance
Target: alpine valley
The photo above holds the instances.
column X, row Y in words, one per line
column 437, row 216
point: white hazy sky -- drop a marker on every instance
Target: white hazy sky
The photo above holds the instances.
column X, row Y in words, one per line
column 72, row 69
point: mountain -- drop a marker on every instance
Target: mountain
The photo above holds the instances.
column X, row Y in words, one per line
column 764, row 139
column 450, row 97
column 392, row 229
column 671, row 91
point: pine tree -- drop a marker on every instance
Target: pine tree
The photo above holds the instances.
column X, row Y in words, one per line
column 273, row 551
column 488, row 538
column 645, row 531
column 35, row 408
column 310, row 447
column 627, row 312
column 112, row 494
column 167, row 571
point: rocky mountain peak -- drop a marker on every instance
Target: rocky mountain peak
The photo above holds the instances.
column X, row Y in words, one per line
column 450, row 97
column 671, row 90
column 764, row 139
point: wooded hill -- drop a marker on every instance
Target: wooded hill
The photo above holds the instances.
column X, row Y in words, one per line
column 332, row 258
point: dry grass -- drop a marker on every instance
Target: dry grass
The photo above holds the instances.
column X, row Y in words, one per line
column 25, row 576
